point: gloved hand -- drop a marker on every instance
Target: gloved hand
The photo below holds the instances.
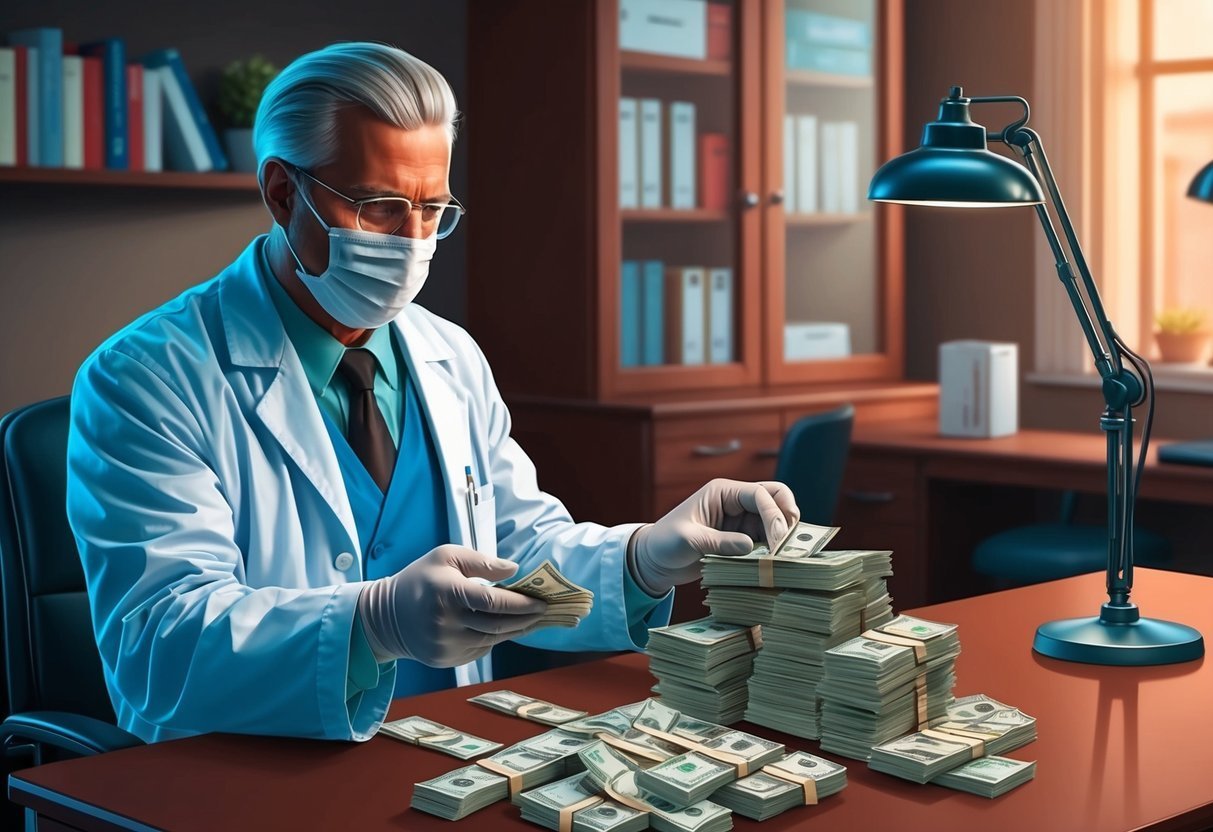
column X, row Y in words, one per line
column 724, row 518
column 432, row 611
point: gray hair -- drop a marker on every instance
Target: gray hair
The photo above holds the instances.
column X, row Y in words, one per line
column 296, row 120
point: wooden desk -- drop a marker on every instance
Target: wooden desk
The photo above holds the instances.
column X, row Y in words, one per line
column 1119, row 748
column 910, row 490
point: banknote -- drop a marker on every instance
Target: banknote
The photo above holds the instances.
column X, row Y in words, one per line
column 527, row 707
column 417, row 730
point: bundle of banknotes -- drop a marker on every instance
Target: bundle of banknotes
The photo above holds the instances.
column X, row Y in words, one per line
column 577, row 798
column 567, row 602
column 703, row 667
column 416, row 730
column 974, row 726
column 527, row 707
column 988, row 776
column 780, row 786
column 890, row 681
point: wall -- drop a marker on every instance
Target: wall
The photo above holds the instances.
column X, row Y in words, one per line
column 968, row 273
column 80, row 261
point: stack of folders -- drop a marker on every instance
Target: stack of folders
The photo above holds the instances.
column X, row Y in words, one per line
column 820, row 165
column 664, row 163
column 675, row 314
column 88, row 107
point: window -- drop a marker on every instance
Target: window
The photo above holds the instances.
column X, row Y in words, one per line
column 1125, row 100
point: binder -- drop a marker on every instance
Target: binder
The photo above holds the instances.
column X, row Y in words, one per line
column 848, row 166
column 73, row 111
column 629, row 314
column 112, row 52
column 790, row 203
column 153, row 122
column 682, row 155
column 806, row 165
column 831, row 181
column 686, row 302
column 45, row 104
column 650, row 153
column 186, row 123
column 629, row 161
column 653, row 311
column 720, row 315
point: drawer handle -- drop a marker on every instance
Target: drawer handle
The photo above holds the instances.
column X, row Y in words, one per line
column 767, row 453
column 730, row 447
column 870, row 496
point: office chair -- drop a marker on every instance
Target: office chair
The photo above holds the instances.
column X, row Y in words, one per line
column 812, row 460
column 56, row 689
column 1048, row 551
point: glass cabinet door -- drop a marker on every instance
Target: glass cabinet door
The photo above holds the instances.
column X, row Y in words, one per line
column 830, row 312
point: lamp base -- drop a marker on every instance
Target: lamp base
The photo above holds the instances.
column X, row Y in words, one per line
column 1146, row 641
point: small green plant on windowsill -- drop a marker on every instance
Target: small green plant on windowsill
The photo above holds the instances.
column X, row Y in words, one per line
column 1183, row 335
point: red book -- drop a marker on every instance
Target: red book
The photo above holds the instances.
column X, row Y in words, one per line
column 94, row 114
column 720, row 31
column 134, row 117
column 21, row 101
column 714, row 171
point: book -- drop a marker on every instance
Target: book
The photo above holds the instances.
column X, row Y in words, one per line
column 185, row 121
column 629, row 314
column 666, row 27
column 682, row 155
column 806, row 164
column 32, row 118
column 9, row 123
column 827, row 29
column 831, row 181
column 134, row 116
column 73, row 111
column 629, row 159
column 153, row 123
column 93, row 132
column 650, row 153
column 720, row 315
column 45, row 102
column 685, row 303
column 720, row 31
column 112, row 52
column 790, row 202
column 848, row 167
column 714, row 171
column 652, row 305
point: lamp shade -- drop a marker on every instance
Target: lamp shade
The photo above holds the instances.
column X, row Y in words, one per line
column 954, row 167
column 1202, row 184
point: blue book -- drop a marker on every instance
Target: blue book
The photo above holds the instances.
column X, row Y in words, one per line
column 653, row 305
column 112, row 52
column 827, row 29
column 629, row 315
column 832, row 60
column 46, row 112
column 171, row 58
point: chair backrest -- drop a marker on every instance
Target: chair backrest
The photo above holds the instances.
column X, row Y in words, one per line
column 812, row 459
column 50, row 651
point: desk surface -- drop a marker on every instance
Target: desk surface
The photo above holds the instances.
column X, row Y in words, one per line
column 1119, row 748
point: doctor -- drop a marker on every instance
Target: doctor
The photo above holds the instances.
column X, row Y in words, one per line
column 291, row 486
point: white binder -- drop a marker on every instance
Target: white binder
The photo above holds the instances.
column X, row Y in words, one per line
column 629, row 161
column 682, row 155
column 650, row 153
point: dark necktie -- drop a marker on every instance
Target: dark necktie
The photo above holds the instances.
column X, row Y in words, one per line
column 368, row 433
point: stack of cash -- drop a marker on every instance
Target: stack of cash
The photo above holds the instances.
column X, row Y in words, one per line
column 536, row 710
column 974, row 725
column 615, row 728
column 567, row 602
column 702, row 667
column 874, row 689
column 458, row 793
column 719, row 741
column 613, row 773
column 765, row 794
column 416, row 730
column 686, row 779
column 988, row 776
column 546, row 804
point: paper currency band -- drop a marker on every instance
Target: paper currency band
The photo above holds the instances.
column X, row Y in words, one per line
column 920, row 696
column 632, row 748
column 449, row 735
column 740, row 763
column 523, row 710
column 977, row 748
column 566, row 814
column 756, row 636
column 630, row 802
column 766, row 571
column 803, row 780
column 920, row 647
column 512, row 776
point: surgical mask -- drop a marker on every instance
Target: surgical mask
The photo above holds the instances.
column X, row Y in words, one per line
column 370, row 277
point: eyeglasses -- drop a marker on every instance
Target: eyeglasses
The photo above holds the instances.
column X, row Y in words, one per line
column 387, row 214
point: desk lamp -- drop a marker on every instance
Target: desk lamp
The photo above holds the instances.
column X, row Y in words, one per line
column 1202, row 184
column 954, row 168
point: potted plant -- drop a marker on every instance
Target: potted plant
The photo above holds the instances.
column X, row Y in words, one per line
column 240, row 88
column 1183, row 336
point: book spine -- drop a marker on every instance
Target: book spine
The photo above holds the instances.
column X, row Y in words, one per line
column 134, row 116
column 827, row 30
column 682, row 155
column 112, row 53
column 629, row 314
column 47, row 69
column 650, row 153
column 94, row 113
column 21, row 103
column 720, row 316
column 806, row 164
column 720, row 31
column 685, row 303
column 653, row 310
column 73, row 111
column 8, row 106
column 153, row 122
column 184, row 147
column 714, row 171
column 629, row 162
column 848, row 167
column 172, row 59
column 790, row 202
column 33, row 113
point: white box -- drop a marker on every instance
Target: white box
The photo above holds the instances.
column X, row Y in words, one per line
column 667, row 27
column 978, row 388
column 808, row 340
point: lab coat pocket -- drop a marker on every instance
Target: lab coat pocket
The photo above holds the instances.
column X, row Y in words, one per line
column 485, row 518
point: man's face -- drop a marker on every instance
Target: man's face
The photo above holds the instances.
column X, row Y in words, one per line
column 374, row 158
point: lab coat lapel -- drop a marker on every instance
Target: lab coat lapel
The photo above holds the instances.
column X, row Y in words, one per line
column 286, row 406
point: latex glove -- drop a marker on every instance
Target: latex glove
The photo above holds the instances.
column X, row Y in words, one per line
column 724, row 517
column 433, row 612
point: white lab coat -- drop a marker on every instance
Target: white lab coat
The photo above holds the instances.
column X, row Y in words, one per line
column 218, row 543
